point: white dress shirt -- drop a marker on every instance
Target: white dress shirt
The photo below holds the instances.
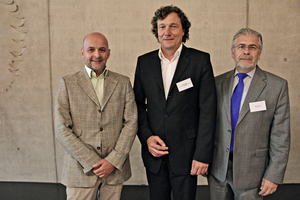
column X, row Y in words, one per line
column 168, row 68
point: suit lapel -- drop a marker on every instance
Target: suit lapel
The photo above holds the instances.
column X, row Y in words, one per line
column 156, row 68
column 109, row 86
column 226, row 93
column 257, row 86
column 181, row 66
column 86, row 85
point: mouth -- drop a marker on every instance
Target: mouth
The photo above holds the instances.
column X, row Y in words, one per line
column 97, row 61
column 168, row 39
column 245, row 58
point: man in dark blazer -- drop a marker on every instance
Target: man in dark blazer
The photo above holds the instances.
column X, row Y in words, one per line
column 256, row 163
column 175, row 94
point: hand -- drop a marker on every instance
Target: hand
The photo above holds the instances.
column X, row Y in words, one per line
column 103, row 168
column 267, row 187
column 157, row 147
column 199, row 168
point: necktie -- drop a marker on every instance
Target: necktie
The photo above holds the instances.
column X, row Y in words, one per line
column 235, row 105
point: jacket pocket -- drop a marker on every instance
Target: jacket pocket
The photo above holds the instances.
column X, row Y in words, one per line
column 191, row 134
column 261, row 152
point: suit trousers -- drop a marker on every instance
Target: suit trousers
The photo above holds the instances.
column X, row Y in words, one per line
column 162, row 184
column 101, row 191
column 226, row 190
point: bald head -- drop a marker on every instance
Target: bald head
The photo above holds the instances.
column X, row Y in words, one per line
column 95, row 35
column 95, row 52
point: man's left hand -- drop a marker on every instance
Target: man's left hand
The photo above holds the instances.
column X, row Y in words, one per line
column 103, row 168
column 267, row 187
column 199, row 168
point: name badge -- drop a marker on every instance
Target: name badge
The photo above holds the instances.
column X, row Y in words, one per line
column 185, row 84
column 258, row 106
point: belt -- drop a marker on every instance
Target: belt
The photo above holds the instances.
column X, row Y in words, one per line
column 231, row 156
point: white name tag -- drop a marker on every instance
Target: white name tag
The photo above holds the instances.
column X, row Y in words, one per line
column 258, row 106
column 185, row 84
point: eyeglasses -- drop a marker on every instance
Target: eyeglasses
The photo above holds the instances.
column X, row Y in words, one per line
column 242, row 47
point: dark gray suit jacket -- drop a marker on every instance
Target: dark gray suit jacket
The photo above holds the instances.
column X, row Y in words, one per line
column 186, row 120
column 262, row 139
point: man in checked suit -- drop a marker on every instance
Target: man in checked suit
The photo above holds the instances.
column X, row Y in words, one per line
column 175, row 94
column 250, row 163
column 96, row 123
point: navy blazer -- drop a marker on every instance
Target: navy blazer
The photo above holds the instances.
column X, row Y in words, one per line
column 186, row 120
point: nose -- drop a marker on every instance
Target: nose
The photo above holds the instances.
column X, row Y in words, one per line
column 246, row 51
column 168, row 31
column 97, row 53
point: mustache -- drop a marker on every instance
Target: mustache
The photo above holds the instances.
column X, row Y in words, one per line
column 97, row 59
column 245, row 57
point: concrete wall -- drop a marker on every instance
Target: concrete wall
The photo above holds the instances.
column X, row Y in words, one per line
column 40, row 41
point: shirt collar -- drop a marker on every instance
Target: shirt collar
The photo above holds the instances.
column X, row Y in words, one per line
column 92, row 74
column 251, row 73
column 177, row 53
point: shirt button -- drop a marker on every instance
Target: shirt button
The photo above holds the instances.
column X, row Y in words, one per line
column 227, row 150
column 99, row 110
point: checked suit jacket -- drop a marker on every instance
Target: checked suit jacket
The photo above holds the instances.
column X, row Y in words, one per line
column 186, row 120
column 262, row 139
column 90, row 132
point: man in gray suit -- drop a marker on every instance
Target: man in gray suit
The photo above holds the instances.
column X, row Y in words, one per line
column 252, row 138
column 96, row 123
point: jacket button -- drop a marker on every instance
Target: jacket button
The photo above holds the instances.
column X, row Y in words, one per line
column 166, row 115
column 98, row 148
column 101, row 129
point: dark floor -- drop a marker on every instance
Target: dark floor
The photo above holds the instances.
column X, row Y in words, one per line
column 51, row 191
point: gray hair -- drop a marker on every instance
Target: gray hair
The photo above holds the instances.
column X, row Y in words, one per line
column 248, row 31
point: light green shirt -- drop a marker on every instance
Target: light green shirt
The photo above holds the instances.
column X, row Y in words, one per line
column 97, row 82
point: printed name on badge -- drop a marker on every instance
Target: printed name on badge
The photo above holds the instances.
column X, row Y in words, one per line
column 257, row 106
column 185, row 84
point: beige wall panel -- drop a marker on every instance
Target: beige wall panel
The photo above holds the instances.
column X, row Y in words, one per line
column 26, row 142
column 127, row 27
column 279, row 23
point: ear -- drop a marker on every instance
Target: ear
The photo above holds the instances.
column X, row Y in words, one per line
column 232, row 53
column 82, row 55
column 259, row 53
column 108, row 54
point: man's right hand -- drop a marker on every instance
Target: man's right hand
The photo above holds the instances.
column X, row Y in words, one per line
column 157, row 147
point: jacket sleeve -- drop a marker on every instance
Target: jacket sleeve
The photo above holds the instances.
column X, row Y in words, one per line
column 119, row 154
column 144, row 131
column 207, row 116
column 279, row 138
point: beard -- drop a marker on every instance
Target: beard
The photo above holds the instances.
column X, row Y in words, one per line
column 249, row 66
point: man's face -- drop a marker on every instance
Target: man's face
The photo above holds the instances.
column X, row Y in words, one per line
column 95, row 52
column 246, row 53
column 170, row 32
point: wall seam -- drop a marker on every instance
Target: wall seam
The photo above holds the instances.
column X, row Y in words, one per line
column 247, row 13
column 51, row 92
